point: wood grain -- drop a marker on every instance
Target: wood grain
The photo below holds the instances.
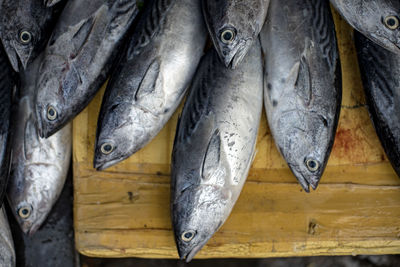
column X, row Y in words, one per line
column 124, row 211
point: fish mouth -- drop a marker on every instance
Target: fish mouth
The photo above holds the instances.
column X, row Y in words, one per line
column 188, row 256
column 27, row 227
column 385, row 43
column 303, row 182
column 306, row 181
column 314, row 183
column 13, row 58
column 33, row 229
column 19, row 60
column 101, row 166
column 23, row 59
column 236, row 56
column 46, row 130
column 36, row 225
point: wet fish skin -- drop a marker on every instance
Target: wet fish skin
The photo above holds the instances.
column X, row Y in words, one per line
column 302, row 93
column 244, row 18
column 369, row 17
column 8, row 83
column 151, row 78
column 214, row 147
column 79, row 57
column 32, row 16
column 39, row 166
column 380, row 72
column 7, row 252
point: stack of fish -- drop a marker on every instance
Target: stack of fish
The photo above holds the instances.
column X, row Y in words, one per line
column 61, row 52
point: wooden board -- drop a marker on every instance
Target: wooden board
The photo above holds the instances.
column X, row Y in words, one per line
column 124, row 211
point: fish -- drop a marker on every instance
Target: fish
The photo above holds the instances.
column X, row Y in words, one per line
column 380, row 73
column 7, row 251
column 151, row 79
column 377, row 20
column 302, row 84
column 25, row 27
column 8, row 83
column 39, row 166
column 78, row 58
column 234, row 26
column 214, row 147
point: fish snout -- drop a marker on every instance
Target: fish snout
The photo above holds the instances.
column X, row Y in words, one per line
column 33, row 229
column 22, row 57
column 13, row 57
column 233, row 56
column 104, row 159
column 314, row 181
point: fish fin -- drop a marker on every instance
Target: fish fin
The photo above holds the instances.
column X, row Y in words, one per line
column 148, row 83
column 81, row 36
column 303, row 84
column 31, row 137
column 293, row 75
column 212, row 157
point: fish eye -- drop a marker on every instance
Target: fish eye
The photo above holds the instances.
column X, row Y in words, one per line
column 391, row 22
column 25, row 37
column 51, row 113
column 187, row 236
column 25, row 212
column 106, row 148
column 227, row 36
column 312, row 165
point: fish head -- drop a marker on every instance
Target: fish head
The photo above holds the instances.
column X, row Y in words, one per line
column 306, row 145
column 230, row 29
column 387, row 32
column 57, row 89
column 20, row 34
column 32, row 199
column 198, row 211
column 377, row 20
column 116, row 138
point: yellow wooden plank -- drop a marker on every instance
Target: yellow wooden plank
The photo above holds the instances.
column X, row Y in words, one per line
column 124, row 211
